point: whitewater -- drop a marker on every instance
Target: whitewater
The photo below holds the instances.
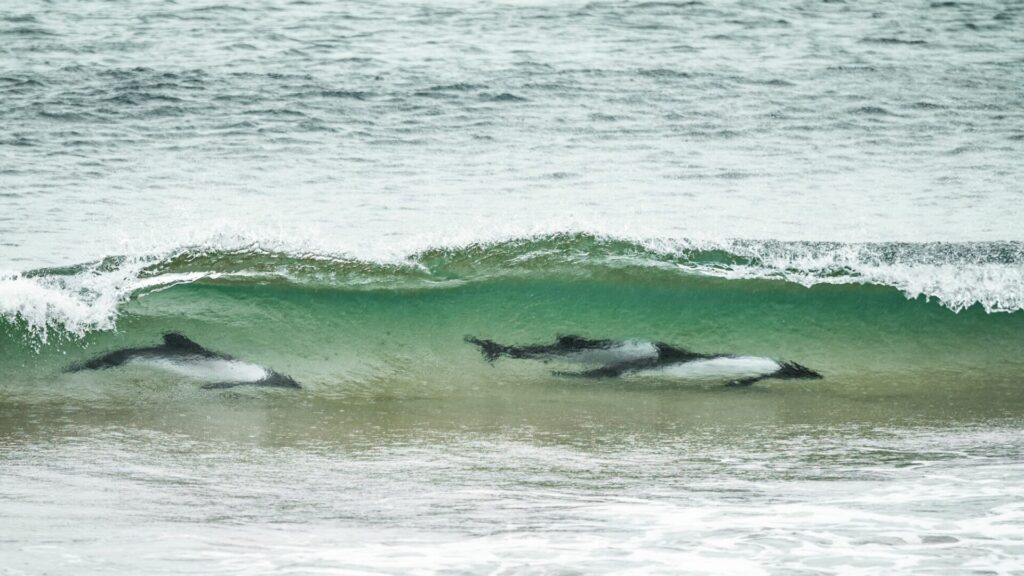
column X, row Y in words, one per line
column 343, row 193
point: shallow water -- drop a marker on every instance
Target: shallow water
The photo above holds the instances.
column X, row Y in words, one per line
column 342, row 192
column 568, row 483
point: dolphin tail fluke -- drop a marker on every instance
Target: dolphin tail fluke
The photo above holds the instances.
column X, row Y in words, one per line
column 94, row 364
column 489, row 348
column 100, row 362
column 792, row 370
column 76, row 367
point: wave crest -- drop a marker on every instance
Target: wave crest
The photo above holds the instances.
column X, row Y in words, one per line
column 87, row 297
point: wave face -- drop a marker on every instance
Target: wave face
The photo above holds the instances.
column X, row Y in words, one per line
column 862, row 312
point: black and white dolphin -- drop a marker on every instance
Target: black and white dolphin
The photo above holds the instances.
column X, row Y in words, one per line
column 180, row 355
column 733, row 370
column 643, row 359
column 581, row 350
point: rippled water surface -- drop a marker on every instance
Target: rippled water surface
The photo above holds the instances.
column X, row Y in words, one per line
column 367, row 124
column 266, row 488
column 342, row 191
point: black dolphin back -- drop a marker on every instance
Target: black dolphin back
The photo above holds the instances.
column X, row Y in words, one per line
column 574, row 342
column 177, row 341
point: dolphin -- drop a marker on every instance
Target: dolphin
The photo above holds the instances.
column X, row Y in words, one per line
column 180, row 355
column 643, row 359
column 736, row 371
column 579, row 350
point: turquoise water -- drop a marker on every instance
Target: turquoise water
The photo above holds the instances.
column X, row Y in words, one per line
column 404, row 448
column 336, row 324
column 343, row 192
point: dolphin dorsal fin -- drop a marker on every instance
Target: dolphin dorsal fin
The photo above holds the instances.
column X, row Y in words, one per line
column 179, row 342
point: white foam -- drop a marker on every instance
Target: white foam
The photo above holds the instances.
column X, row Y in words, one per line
column 958, row 281
column 794, row 499
column 957, row 276
column 76, row 303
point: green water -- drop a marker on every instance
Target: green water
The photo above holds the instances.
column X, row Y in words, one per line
column 342, row 191
column 405, row 448
column 870, row 343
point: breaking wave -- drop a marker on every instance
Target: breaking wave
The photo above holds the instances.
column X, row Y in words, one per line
column 78, row 299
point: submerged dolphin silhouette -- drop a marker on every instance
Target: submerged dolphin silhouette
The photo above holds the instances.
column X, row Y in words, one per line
column 581, row 350
column 183, row 356
column 638, row 358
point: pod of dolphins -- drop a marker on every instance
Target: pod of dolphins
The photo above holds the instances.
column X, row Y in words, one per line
column 642, row 359
column 600, row 359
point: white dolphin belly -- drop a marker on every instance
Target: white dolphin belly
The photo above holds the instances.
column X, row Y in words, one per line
column 709, row 369
column 628, row 351
column 207, row 369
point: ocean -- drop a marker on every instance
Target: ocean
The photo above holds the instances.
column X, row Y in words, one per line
column 343, row 192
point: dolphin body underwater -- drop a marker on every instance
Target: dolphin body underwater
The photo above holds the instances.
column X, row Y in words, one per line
column 180, row 355
column 642, row 359
column 581, row 350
